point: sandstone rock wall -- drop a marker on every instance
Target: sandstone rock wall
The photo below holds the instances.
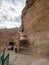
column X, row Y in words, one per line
column 8, row 35
column 35, row 19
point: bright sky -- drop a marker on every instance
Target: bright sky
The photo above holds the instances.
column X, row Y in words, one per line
column 10, row 13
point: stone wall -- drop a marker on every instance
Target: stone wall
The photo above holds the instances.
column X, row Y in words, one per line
column 35, row 19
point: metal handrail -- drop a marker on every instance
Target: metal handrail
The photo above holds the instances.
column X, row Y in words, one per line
column 4, row 59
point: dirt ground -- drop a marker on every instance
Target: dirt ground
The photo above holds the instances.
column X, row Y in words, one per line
column 21, row 59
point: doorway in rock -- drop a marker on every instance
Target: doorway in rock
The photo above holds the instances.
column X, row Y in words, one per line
column 11, row 46
column 24, row 43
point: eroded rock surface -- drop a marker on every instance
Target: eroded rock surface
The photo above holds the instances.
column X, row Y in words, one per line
column 35, row 20
column 8, row 35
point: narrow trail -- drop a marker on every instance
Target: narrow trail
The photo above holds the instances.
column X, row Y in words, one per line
column 20, row 59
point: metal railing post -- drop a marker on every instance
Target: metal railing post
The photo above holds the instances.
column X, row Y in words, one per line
column 8, row 60
column 3, row 58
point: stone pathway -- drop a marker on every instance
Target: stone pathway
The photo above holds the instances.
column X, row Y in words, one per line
column 20, row 59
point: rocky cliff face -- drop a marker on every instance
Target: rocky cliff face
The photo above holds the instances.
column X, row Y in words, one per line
column 8, row 35
column 35, row 19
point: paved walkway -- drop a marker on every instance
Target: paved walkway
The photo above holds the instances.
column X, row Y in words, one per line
column 20, row 59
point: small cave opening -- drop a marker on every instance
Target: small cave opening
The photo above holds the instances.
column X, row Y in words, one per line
column 11, row 46
column 24, row 43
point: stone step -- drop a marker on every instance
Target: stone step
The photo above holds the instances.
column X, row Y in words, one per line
column 25, row 50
